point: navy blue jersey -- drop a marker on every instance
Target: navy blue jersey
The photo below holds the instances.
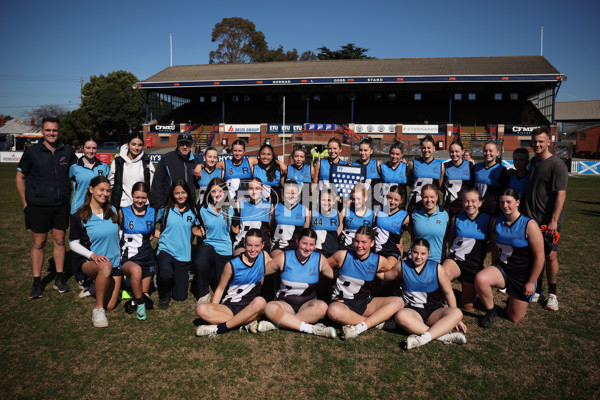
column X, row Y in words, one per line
column 470, row 242
column 423, row 173
column 299, row 280
column 457, row 180
column 372, row 176
column 99, row 235
column 269, row 186
column 324, row 172
column 137, row 230
column 82, row 175
column 176, row 237
column 351, row 224
column 252, row 216
column 421, row 290
column 237, row 176
column 490, row 182
column 288, row 222
column 519, row 184
column 389, row 232
column 301, row 175
column 245, row 281
column 433, row 228
column 205, row 180
column 326, row 227
column 355, row 277
column 515, row 255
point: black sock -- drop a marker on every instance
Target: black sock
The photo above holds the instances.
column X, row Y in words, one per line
column 139, row 301
column 552, row 288
column 222, row 328
column 37, row 280
column 60, row 276
column 491, row 312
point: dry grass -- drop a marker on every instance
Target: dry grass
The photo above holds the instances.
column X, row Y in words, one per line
column 50, row 349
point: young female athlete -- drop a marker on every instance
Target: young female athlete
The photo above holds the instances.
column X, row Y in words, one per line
column 323, row 167
column 296, row 306
column 519, row 177
column 269, row 172
column 352, row 305
column 137, row 255
column 491, row 178
column 424, row 287
column 290, row 217
column 390, row 223
column 372, row 174
column 81, row 173
column 469, row 234
column 326, row 222
column 299, row 170
column 393, row 172
column 430, row 222
column 424, row 170
column 519, row 263
column 94, row 237
column 216, row 251
column 236, row 301
column 355, row 216
column 178, row 220
column 130, row 166
column 458, row 178
column 237, row 171
column 254, row 213
column 209, row 171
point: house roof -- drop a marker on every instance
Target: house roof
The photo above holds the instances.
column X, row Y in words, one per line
column 18, row 127
column 578, row 110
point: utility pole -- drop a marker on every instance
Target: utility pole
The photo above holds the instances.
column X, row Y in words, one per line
column 171, row 48
column 542, row 43
column 283, row 130
column 81, row 91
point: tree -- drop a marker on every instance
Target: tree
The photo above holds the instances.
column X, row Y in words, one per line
column 278, row 54
column 238, row 41
column 112, row 103
column 308, row 55
column 76, row 127
column 346, row 52
column 6, row 117
column 48, row 110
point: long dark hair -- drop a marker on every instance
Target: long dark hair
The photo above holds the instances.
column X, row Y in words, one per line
column 271, row 167
column 209, row 200
column 170, row 202
column 85, row 211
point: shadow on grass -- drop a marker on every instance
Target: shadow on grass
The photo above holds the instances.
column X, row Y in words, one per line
column 594, row 203
column 591, row 213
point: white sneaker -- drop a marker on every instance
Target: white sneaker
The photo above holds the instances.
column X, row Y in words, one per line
column 99, row 318
column 251, row 327
column 265, row 326
column 350, row 331
column 207, row 298
column 390, row 325
column 538, row 298
column 413, row 341
column 207, row 330
column 552, row 303
column 324, row 331
column 453, row 337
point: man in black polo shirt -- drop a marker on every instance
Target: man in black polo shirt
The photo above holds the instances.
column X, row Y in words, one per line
column 45, row 191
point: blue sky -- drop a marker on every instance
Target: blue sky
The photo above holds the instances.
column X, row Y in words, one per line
column 50, row 46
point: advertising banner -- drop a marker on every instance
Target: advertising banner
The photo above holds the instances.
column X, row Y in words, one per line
column 374, row 128
column 11, row 156
column 321, row 127
column 239, row 128
column 164, row 128
column 287, row 128
column 420, row 129
column 519, row 129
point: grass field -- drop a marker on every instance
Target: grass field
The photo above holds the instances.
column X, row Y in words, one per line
column 49, row 348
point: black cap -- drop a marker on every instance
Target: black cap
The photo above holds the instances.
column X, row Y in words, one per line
column 184, row 137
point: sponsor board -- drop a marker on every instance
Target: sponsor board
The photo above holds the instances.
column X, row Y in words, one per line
column 11, row 156
column 519, row 130
column 164, row 128
column 420, row 129
column 245, row 128
column 321, row 127
column 285, row 128
column 374, row 128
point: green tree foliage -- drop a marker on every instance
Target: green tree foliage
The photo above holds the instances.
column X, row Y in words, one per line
column 308, row 55
column 112, row 103
column 238, row 41
column 278, row 54
column 346, row 52
column 76, row 127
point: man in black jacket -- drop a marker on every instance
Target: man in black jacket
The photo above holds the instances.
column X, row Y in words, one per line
column 177, row 164
column 43, row 185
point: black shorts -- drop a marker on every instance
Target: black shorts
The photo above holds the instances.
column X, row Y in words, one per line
column 42, row 219
column 467, row 272
column 549, row 244
column 148, row 265
column 425, row 313
column 359, row 306
column 234, row 307
column 515, row 284
column 79, row 260
column 296, row 307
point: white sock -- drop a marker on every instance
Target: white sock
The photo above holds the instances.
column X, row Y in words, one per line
column 306, row 328
column 360, row 328
column 426, row 337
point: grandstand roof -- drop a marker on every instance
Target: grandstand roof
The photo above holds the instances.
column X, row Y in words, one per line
column 578, row 110
column 473, row 69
